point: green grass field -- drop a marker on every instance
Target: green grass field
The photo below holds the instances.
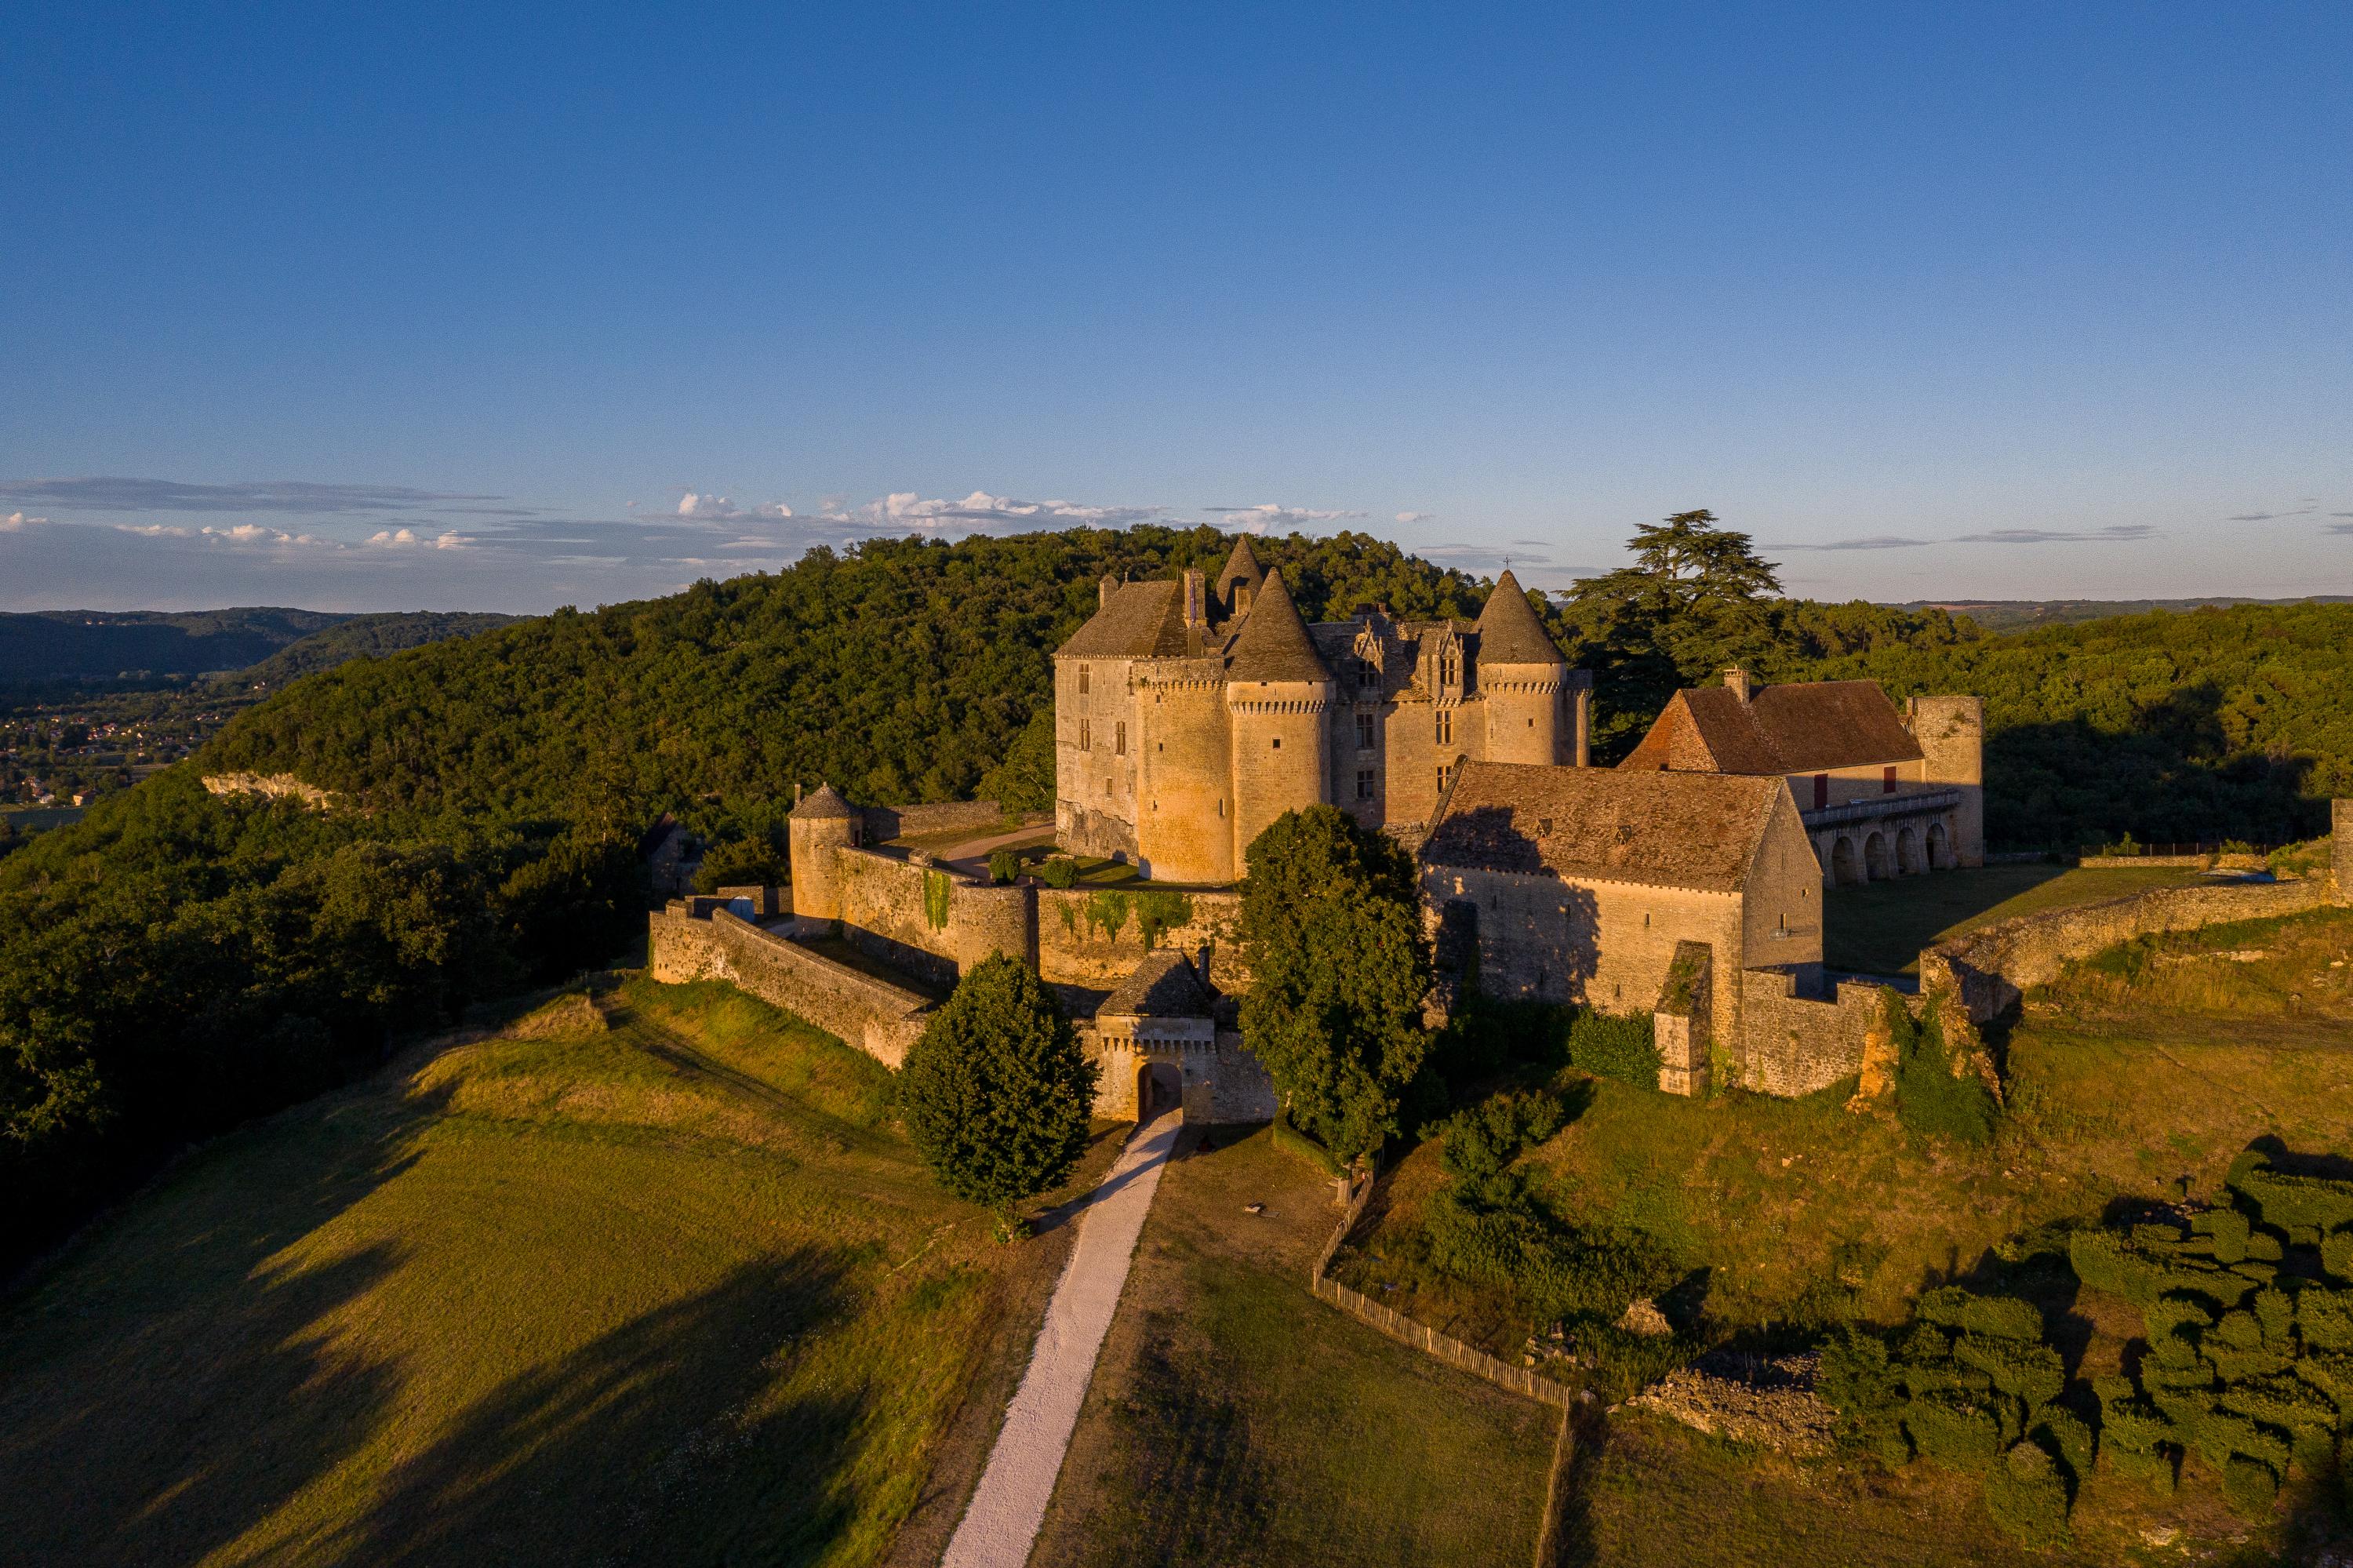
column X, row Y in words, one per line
column 1879, row 928
column 672, row 1292
column 1236, row 1420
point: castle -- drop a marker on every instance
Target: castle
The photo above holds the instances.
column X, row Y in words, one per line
column 1190, row 716
column 1685, row 884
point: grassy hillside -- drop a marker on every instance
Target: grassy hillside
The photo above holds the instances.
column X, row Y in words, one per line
column 657, row 1286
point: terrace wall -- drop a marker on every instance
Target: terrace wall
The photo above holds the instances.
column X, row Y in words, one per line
column 877, row 1017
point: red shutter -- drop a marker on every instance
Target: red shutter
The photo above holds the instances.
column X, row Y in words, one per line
column 1887, row 780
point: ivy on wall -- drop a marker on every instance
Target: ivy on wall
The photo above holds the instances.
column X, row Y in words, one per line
column 937, row 890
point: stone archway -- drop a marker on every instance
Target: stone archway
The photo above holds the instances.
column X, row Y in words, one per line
column 1846, row 868
column 1907, row 852
column 1159, row 1087
column 1941, row 852
column 1875, row 858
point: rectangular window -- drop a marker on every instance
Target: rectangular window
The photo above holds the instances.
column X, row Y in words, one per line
column 1082, row 680
column 1363, row 783
column 1887, row 780
column 1368, row 676
column 1119, row 740
column 1821, row 791
column 1443, row 772
column 1364, row 732
column 1086, row 737
column 1446, row 726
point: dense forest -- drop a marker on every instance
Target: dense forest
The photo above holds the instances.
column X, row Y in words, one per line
column 177, row 961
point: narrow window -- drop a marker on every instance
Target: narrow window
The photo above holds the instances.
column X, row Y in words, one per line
column 1363, row 783
column 1821, row 791
column 1119, row 740
column 1364, row 732
column 1367, row 678
column 1445, row 727
column 1441, row 779
column 1221, row 805
column 1082, row 680
column 1086, row 735
column 1887, row 780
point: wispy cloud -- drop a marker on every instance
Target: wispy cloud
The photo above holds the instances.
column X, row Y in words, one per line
column 1868, row 542
column 2337, row 528
column 16, row 523
column 408, row 539
column 1267, row 514
column 1417, row 517
column 2116, row 533
column 120, row 494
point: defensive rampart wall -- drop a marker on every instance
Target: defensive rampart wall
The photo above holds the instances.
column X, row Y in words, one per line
column 1991, row 970
column 1797, row 1044
column 878, row 1018
column 1096, row 936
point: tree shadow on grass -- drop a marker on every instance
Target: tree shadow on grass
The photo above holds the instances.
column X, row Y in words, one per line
column 173, row 1378
column 651, row 1443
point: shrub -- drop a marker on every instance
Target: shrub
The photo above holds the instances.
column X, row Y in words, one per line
column 1930, row 1098
column 2133, row 1423
column 1004, row 865
column 2275, row 1316
column 1953, row 1427
column 2155, row 1468
column 2031, row 1373
column 2026, row 1496
column 996, row 1093
column 2336, row 1254
column 2217, row 1435
column 1615, row 1045
column 1853, row 1377
column 1998, row 1317
column 1061, row 871
column 2281, row 1401
column 1481, row 1141
column 2332, row 1374
column 2249, row 1487
column 2324, row 1319
column 2069, row 1439
column 2287, row 1200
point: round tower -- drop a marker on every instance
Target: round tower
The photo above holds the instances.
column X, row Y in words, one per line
column 1523, row 680
column 1184, row 807
column 818, row 826
column 1278, row 694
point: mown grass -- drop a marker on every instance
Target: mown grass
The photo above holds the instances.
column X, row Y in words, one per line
column 672, row 1292
column 1236, row 1420
column 1880, row 928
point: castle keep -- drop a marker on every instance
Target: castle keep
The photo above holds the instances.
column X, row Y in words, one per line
column 1188, row 715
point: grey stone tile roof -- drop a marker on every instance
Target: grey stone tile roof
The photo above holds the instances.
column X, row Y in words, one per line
column 1242, row 567
column 1698, row 830
column 823, row 801
column 1142, row 621
column 1274, row 644
column 1165, row 985
column 1509, row 632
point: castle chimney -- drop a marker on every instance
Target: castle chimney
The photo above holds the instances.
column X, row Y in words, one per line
column 1103, row 591
column 1196, row 611
column 1736, row 681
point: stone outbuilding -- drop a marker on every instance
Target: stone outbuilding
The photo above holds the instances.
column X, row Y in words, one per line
column 1158, row 1044
column 1882, row 793
column 1693, row 898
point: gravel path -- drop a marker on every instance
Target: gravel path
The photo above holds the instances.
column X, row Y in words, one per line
column 1010, row 1504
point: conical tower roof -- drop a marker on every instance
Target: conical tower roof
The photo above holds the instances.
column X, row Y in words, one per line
column 1274, row 644
column 823, row 801
column 1242, row 567
column 1509, row 632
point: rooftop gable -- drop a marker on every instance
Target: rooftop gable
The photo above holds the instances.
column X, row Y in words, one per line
column 1165, row 985
column 1140, row 621
column 1696, row 831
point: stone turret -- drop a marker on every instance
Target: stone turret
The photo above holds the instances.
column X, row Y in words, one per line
column 1278, row 691
column 1524, row 678
column 821, row 824
column 1951, row 734
column 1240, row 583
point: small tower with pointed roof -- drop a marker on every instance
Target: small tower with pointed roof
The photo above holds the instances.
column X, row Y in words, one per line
column 1239, row 584
column 822, row 823
column 1278, row 691
column 1524, row 679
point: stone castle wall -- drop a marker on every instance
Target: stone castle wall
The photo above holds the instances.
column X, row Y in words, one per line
column 974, row 817
column 930, row 922
column 1095, row 938
column 873, row 1015
column 1991, row 970
column 1795, row 1044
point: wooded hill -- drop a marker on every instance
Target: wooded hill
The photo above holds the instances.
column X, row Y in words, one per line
column 177, row 961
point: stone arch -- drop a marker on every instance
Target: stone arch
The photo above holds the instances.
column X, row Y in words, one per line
column 1940, row 849
column 1875, row 858
column 1846, row 867
column 1907, row 852
column 1159, row 1087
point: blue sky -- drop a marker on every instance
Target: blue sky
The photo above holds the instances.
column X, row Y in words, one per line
column 458, row 306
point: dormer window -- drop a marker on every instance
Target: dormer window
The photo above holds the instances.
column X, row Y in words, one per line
column 1367, row 678
column 1449, row 668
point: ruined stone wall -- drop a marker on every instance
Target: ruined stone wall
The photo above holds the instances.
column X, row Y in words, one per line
column 877, row 1018
column 1991, row 969
column 1600, row 944
column 1095, row 938
column 928, row 921
column 1797, row 1044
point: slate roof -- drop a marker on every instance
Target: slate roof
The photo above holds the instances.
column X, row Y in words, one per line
column 1274, row 644
column 821, row 803
column 1509, row 632
column 1698, row 831
column 1142, row 621
column 1808, row 728
column 1241, row 566
column 1165, row 985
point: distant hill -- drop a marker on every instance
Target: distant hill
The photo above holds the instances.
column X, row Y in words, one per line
column 2024, row 614
column 86, row 648
column 371, row 635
